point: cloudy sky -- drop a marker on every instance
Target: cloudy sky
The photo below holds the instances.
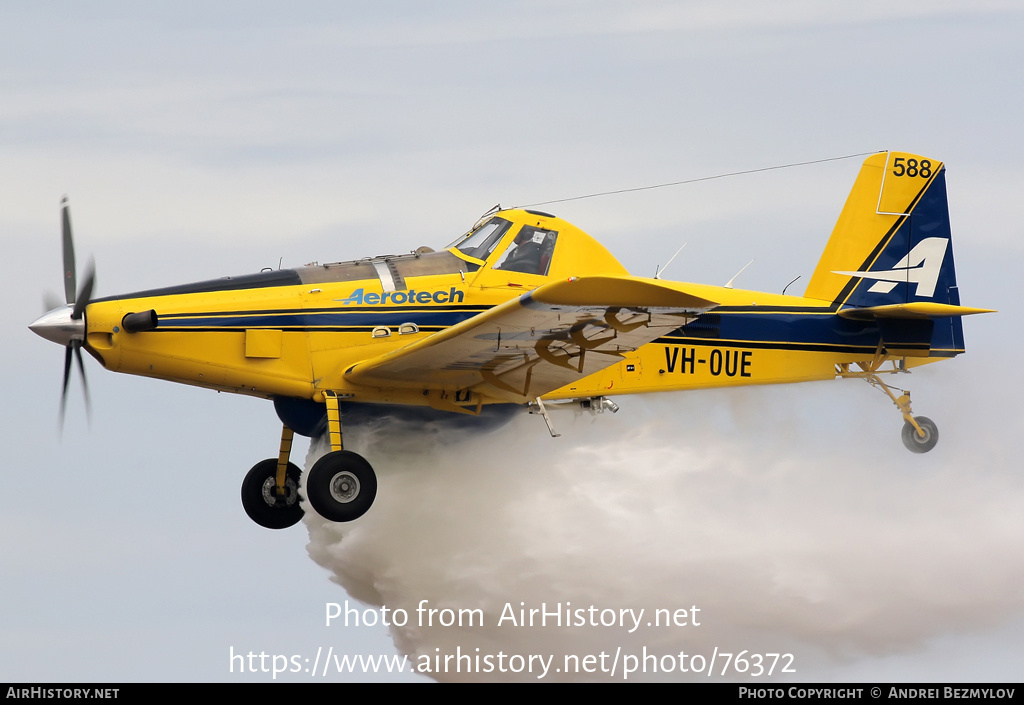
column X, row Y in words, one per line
column 200, row 140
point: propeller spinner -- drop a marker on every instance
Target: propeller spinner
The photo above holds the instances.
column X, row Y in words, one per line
column 66, row 324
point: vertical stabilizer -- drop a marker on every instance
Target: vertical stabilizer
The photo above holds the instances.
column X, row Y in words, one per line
column 892, row 241
column 892, row 244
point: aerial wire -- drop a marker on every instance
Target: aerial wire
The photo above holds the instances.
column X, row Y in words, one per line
column 702, row 178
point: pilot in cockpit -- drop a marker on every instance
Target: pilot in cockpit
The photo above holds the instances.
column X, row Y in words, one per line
column 530, row 252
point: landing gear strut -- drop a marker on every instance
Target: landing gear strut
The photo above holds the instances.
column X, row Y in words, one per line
column 920, row 434
column 341, row 486
column 270, row 491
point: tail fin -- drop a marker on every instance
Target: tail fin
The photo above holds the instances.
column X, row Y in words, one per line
column 892, row 247
column 891, row 244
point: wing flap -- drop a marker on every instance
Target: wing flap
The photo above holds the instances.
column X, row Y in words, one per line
column 538, row 342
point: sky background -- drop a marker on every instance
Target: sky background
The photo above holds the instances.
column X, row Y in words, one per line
column 198, row 140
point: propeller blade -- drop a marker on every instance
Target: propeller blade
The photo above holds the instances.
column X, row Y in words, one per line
column 67, row 376
column 86, row 293
column 70, row 283
column 77, row 345
column 78, row 299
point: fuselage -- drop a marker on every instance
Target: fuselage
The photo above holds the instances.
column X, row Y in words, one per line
column 295, row 332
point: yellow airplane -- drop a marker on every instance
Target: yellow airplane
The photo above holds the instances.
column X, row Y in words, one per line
column 525, row 308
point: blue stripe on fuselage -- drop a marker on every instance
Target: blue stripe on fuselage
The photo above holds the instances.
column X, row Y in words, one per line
column 803, row 331
column 779, row 329
column 311, row 320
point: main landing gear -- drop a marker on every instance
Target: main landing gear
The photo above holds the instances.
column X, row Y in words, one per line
column 341, row 485
column 920, row 434
column 261, row 499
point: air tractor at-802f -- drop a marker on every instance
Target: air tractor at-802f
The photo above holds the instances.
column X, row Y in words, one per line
column 528, row 309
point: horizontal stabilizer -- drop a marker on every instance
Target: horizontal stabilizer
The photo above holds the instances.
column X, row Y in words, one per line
column 916, row 309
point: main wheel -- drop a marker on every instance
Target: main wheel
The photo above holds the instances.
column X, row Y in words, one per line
column 261, row 501
column 917, row 443
column 341, row 486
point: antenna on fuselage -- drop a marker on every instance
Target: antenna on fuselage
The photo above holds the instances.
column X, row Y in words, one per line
column 789, row 285
column 657, row 273
column 729, row 285
column 479, row 221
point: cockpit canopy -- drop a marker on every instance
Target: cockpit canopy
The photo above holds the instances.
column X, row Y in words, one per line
column 533, row 243
column 529, row 252
column 479, row 243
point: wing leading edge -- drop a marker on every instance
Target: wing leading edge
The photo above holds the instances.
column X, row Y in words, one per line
column 539, row 342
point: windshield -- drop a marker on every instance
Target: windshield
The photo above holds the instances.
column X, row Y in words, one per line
column 482, row 241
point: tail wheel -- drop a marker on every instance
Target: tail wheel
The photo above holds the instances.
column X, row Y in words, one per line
column 341, row 486
column 917, row 443
column 262, row 502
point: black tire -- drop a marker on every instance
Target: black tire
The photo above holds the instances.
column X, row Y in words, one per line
column 260, row 500
column 916, row 443
column 341, row 486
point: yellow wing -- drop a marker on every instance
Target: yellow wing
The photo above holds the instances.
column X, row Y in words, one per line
column 538, row 342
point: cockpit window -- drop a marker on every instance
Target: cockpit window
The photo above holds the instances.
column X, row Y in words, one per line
column 482, row 241
column 530, row 252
